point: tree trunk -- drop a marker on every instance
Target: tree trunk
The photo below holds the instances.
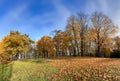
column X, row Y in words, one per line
column 98, row 46
column 82, row 46
column 98, row 51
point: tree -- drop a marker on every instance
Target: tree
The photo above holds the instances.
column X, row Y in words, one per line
column 45, row 46
column 103, row 28
column 83, row 27
column 26, row 44
column 16, row 43
column 58, row 41
column 117, row 43
column 66, row 43
column 73, row 31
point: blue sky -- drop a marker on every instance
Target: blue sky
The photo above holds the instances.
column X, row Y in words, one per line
column 39, row 17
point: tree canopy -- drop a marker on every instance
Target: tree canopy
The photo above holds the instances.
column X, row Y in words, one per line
column 15, row 43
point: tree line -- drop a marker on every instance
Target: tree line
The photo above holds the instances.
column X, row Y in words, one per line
column 84, row 35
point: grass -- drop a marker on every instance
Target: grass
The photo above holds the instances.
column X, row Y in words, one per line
column 32, row 70
column 5, row 71
column 65, row 69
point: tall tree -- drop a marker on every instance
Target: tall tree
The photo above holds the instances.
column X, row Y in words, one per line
column 103, row 28
column 83, row 27
column 73, row 31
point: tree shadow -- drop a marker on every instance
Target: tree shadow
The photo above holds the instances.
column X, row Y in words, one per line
column 6, row 71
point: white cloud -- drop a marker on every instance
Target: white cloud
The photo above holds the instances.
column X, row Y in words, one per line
column 61, row 9
column 12, row 15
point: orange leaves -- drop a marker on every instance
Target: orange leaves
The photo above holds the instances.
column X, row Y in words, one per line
column 86, row 69
column 45, row 45
column 15, row 43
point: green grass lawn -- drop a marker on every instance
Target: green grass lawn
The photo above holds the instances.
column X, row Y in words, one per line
column 32, row 70
column 5, row 71
column 63, row 69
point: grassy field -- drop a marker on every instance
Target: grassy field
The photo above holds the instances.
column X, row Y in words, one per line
column 65, row 69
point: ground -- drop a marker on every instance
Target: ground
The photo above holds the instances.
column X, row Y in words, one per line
column 65, row 69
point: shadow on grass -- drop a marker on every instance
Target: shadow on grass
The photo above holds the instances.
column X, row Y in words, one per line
column 5, row 71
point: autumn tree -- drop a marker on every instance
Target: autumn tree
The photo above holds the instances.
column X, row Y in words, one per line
column 117, row 43
column 45, row 46
column 103, row 28
column 27, row 44
column 82, row 20
column 89, row 44
column 16, row 43
column 66, row 43
column 73, row 31
column 58, row 40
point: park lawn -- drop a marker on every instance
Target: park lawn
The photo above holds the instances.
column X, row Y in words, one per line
column 66, row 69
column 32, row 70
column 5, row 71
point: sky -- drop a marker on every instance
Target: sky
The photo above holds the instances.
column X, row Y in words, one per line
column 40, row 17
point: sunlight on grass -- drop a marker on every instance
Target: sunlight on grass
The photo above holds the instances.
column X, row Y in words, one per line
column 32, row 70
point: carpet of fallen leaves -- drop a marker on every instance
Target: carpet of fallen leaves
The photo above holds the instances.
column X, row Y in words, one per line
column 85, row 69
